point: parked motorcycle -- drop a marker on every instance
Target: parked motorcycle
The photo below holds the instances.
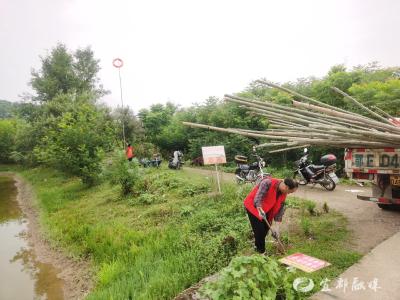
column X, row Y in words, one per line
column 155, row 162
column 324, row 174
column 176, row 161
column 252, row 172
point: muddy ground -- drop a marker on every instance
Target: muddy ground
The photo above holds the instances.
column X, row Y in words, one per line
column 75, row 274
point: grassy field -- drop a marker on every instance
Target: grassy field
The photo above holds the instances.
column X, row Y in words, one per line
column 175, row 233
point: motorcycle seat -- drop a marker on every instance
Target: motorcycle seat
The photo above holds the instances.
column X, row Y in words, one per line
column 240, row 159
column 254, row 165
column 317, row 167
column 244, row 167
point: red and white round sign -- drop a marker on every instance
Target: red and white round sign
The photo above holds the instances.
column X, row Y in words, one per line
column 118, row 63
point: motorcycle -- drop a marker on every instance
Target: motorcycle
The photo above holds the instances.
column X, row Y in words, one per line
column 253, row 172
column 176, row 161
column 155, row 162
column 324, row 174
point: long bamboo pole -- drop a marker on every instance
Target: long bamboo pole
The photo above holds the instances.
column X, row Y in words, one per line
column 355, row 101
column 329, row 132
column 334, row 142
column 295, row 118
column 374, row 134
column 289, row 133
column 289, row 148
column 275, row 144
column 308, row 124
column 264, row 105
column 370, row 122
column 284, row 123
column 350, row 133
column 383, row 112
column 271, row 84
column 278, row 106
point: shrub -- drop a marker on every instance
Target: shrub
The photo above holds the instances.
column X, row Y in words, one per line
column 306, row 226
column 161, row 182
column 7, row 136
column 148, row 199
column 293, row 202
column 193, row 189
column 125, row 173
column 186, row 211
column 310, row 206
column 325, row 207
column 251, row 277
column 75, row 140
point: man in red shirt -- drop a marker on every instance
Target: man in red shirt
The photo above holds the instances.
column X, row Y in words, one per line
column 267, row 201
column 129, row 152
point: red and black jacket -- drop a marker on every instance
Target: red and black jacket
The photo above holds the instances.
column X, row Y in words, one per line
column 271, row 202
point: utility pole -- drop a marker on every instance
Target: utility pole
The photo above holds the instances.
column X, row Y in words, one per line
column 118, row 63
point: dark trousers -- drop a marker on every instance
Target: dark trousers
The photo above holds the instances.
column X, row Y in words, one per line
column 260, row 230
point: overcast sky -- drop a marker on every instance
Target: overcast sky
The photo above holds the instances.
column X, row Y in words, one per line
column 185, row 51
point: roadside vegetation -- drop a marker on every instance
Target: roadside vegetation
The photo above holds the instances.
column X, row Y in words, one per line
column 173, row 232
column 151, row 233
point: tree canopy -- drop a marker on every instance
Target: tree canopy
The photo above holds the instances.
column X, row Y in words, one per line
column 63, row 125
column 65, row 72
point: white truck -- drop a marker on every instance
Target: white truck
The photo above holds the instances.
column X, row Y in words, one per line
column 381, row 167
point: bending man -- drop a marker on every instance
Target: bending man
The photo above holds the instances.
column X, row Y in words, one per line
column 267, row 200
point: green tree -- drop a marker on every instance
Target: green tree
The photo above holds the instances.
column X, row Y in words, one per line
column 63, row 72
column 134, row 132
column 64, row 126
column 7, row 138
column 6, row 109
column 385, row 95
column 77, row 139
column 154, row 120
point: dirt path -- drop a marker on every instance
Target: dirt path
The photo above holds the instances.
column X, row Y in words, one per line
column 369, row 224
column 75, row 274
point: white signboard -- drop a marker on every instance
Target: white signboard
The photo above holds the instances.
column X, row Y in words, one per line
column 213, row 155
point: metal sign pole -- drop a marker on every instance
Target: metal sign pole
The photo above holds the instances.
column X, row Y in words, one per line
column 122, row 103
column 219, row 186
column 118, row 63
column 214, row 155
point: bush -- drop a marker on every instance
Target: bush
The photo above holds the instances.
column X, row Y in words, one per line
column 306, row 226
column 162, row 182
column 148, row 199
column 7, row 136
column 251, row 277
column 76, row 139
column 193, row 189
column 293, row 202
column 125, row 173
column 186, row 211
column 325, row 207
column 310, row 206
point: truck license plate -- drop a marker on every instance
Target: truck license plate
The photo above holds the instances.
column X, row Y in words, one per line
column 395, row 180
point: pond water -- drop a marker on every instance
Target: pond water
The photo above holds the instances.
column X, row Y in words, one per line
column 21, row 275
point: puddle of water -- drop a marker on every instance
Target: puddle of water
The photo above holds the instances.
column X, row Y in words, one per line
column 21, row 275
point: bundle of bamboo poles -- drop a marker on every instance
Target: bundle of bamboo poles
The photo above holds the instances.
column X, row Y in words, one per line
column 312, row 122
